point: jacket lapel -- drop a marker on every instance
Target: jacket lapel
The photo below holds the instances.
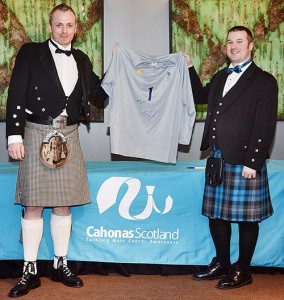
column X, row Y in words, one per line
column 83, row 72
column 217, row 92
column 238, row 89
column 45, row 57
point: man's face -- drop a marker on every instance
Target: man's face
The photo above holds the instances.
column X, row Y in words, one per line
column 63, row 27
column 238, row 47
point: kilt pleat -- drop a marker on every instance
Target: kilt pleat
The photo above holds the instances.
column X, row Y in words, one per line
column 238, row 199
column 38, row 185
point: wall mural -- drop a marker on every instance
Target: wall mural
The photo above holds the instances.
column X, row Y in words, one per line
column 23, row 21
column 199, row 27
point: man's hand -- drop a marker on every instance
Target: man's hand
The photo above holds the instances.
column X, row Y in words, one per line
column 248, row 173
column 188, row 59
column 16, row 151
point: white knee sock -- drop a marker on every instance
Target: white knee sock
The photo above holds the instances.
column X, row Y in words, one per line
column 32, row 234
column 60, row 227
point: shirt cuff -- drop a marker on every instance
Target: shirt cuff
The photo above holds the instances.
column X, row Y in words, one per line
column 15, row 139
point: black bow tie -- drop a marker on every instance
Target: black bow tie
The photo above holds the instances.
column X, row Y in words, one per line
column 67, row 52
column 238, row 68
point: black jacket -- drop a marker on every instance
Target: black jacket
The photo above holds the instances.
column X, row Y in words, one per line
column 35, row 86
column 245, row 120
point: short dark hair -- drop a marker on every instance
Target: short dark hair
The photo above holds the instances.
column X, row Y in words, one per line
column 63, row 7
column 242, row 28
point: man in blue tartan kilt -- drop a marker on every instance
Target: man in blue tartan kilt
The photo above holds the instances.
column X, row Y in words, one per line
column 239, row 127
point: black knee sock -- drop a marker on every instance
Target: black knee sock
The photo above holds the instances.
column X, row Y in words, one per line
column 248, row 232
column 221, row 235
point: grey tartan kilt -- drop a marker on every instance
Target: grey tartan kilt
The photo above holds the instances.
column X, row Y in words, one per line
column 39, row 185
column 238, row 199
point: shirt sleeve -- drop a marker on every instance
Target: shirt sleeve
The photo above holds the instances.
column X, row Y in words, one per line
column 111, row 74
column 189, row 112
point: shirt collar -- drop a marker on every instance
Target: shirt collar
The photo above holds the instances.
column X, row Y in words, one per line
column 59, row 46
column 141, row 60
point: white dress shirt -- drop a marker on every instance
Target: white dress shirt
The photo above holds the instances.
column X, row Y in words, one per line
column 233, row 78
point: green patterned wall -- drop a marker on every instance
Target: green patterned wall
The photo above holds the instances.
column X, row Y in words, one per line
column 23, row 21
column 199, row 27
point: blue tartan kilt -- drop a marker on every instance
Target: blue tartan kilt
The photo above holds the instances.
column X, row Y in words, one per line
column 238, row 199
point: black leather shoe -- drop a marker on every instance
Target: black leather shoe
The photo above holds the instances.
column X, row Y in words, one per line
column 27, row 282
column 64, row 275
column 214, row 271
column 236, row 278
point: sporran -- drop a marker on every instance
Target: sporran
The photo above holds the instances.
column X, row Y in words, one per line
column 54, row 150
column 214, row 171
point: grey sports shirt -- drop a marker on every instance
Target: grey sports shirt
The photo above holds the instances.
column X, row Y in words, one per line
column 151, row 108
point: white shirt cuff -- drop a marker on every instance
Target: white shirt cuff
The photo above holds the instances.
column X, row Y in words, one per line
column 14, row 139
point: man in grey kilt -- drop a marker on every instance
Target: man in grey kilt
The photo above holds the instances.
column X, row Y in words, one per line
column 239, row 128
column 50, row 88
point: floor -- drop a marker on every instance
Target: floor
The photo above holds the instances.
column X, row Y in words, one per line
column 152, row 287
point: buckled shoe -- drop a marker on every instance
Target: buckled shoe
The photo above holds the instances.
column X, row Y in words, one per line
column 27, row 282
column 213, row 271
column 64, row 275
column 235, row 279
